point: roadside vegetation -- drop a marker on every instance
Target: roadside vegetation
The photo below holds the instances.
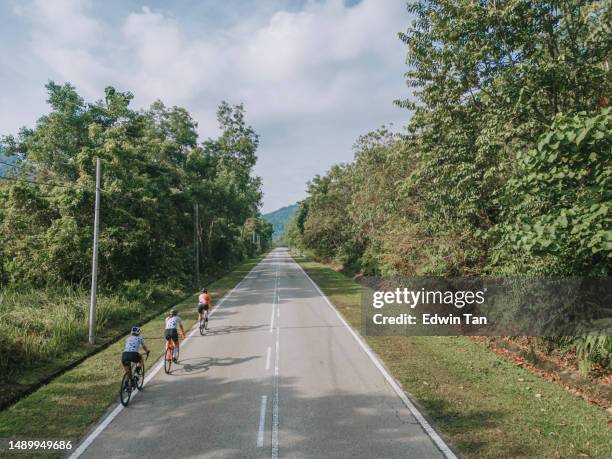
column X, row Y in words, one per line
column 42, row 331
column 154, row 172
column 84, row 393
column 505, row 166
column 485, row 406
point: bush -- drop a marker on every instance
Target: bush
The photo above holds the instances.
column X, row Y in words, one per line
column 557, row 206
column 37, row 326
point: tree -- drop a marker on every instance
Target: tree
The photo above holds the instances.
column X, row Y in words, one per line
column 153, row 173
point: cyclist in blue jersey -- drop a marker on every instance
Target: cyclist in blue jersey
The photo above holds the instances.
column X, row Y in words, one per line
column 130, row 351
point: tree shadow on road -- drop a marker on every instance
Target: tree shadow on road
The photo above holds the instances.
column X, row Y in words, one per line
column 335, row 423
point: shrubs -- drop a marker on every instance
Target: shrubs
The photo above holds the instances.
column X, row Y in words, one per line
column 592, row 349
column 37, row 326
column 557, row 205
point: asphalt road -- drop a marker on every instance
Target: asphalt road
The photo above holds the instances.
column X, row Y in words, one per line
column 277, row 375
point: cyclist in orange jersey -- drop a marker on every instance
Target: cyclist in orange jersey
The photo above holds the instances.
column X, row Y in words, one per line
column 204, row 304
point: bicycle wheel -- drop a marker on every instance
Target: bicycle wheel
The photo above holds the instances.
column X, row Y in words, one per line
column 140, row 377
column 126, row 390
column 202, row 327
column 168, row 360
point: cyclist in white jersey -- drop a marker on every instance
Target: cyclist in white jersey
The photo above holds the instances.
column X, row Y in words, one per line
column 130, row 351
column 171, row 333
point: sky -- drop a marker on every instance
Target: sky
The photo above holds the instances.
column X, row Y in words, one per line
column 313, row 75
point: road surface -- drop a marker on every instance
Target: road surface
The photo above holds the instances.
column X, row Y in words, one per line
column 278, row 375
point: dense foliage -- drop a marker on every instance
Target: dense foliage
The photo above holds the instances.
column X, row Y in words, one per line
column 505, row 165
column 154, row 171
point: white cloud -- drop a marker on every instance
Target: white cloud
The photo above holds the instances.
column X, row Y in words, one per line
column 66, row 22
column 65, row 37
column 311, row 80
column 164, row 62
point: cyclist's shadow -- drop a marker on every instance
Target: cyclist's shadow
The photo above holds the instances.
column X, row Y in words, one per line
column 229, row 329
column 198, row 365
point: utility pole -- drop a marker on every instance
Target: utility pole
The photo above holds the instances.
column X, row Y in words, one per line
column 196, row 246
column 94, row 268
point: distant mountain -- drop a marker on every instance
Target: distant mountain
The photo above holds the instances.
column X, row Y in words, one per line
column 279, row 219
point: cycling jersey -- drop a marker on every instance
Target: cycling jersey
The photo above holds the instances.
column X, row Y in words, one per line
column 172, row 322
column 132, row 343
column 204, row 298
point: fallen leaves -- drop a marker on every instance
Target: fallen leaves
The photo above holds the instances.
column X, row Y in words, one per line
column 553, row 377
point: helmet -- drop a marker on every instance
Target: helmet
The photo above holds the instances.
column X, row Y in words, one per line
column 135, row 330
column 173, row 311
column 204, row 290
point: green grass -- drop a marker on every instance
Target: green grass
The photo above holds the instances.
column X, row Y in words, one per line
column 484, row 406
column 42, row 331
column 66, row 407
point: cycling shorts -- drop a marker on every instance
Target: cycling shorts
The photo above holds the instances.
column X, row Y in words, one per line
column 203, row 307
column 128, row 357
column 171, row 333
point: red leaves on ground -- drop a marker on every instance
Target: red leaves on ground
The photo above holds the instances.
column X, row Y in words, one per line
column 566, row 364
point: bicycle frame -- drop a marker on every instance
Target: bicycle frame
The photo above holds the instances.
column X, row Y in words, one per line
column 169, row 349
column 169, row 355
column 133, row 365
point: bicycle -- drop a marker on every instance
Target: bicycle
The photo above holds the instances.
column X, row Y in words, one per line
column 132, row 380
column 203, row 323
column 170, row 354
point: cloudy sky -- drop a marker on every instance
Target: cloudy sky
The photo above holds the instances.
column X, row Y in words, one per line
column 313, row 75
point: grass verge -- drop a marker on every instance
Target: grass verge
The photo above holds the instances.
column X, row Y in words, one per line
column 43, row 333
column 66, row 407
column 486, row 407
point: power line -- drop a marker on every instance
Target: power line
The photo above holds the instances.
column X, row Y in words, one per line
column 73, row 164
column 116, row 194
column 51, row 184
column 15, row 179
column 8, row 164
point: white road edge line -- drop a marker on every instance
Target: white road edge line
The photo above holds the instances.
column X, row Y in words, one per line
column 275, row 421
column 442, row 446
column 87, row 441
column 262, row 420
column 268, row 358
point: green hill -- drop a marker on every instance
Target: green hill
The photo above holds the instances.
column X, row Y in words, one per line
column 279, row 219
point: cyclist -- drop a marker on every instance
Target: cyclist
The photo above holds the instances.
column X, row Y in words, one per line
column 204, row 304
column 130, row 351
column 171, row 333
